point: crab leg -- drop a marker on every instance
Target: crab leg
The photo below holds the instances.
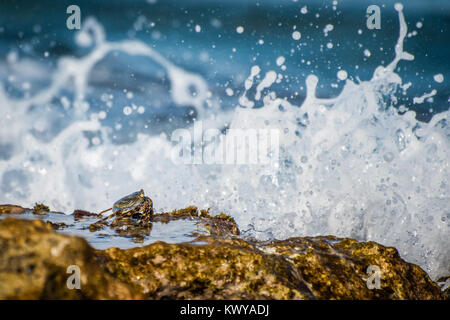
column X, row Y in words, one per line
column 100, row 213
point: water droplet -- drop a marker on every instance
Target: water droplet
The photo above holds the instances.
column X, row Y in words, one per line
column 296, row 35
column 280, row 60
column 401, row 140
column 127, row 110
column 342, row 75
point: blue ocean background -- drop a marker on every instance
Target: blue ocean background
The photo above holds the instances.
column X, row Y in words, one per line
column 223, row 57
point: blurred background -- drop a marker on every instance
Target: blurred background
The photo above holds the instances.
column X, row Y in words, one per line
column 221, row 40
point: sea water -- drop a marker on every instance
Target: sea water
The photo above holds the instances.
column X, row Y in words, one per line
column 362, row 159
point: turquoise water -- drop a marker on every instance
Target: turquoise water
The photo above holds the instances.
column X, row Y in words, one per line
column 222, row 56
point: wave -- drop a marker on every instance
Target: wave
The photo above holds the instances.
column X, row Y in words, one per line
column 356, row 165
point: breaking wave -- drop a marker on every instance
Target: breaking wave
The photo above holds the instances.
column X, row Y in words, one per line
column 356, row 165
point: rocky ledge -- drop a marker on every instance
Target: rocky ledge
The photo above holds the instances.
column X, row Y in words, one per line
column 35, row 260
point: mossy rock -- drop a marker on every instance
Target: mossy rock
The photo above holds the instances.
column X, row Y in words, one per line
column 220, row 269
column 297, row 268
column 40, row 209
column 337, row 268
column 218, row 225
column 34, row 261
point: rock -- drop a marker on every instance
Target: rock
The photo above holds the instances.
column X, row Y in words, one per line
column 298, row 268
column 186, row 224
column 82, row 214
column 217, row 225
column 338, row 268
column 215, row 264
column 11, row 209
column 57, row 225
column 41, row 209
column 34, row 261
column 221, row 269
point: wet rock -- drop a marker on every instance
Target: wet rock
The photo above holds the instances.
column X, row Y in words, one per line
column 40, row 209
column 298, row 268
column 11, row 209
column 215, row 264
column 338, row 268
column 220, row 269
column 216, row 225
column 82, row 214
column 182, row 225
column 34, row 261
column 57, row 225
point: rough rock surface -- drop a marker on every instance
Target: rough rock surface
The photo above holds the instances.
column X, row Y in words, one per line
column 220, row 269
column 338, row 268
column 298, row 268
column 34, row 261
column 217, row 265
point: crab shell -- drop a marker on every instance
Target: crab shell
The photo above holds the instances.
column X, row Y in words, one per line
column 135, row 203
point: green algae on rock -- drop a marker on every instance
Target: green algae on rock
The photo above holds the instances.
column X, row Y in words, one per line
column 217, row 225
column 40, row 208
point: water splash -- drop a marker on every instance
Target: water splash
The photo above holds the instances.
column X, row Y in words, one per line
column 349, row 166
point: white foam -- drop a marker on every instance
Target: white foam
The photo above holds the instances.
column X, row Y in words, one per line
column 421, row 99
column 349, row 166
column 439, row 78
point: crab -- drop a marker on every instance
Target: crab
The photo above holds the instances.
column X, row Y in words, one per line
column 135, row 209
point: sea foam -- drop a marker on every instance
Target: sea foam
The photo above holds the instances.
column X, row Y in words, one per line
column 351, row 166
